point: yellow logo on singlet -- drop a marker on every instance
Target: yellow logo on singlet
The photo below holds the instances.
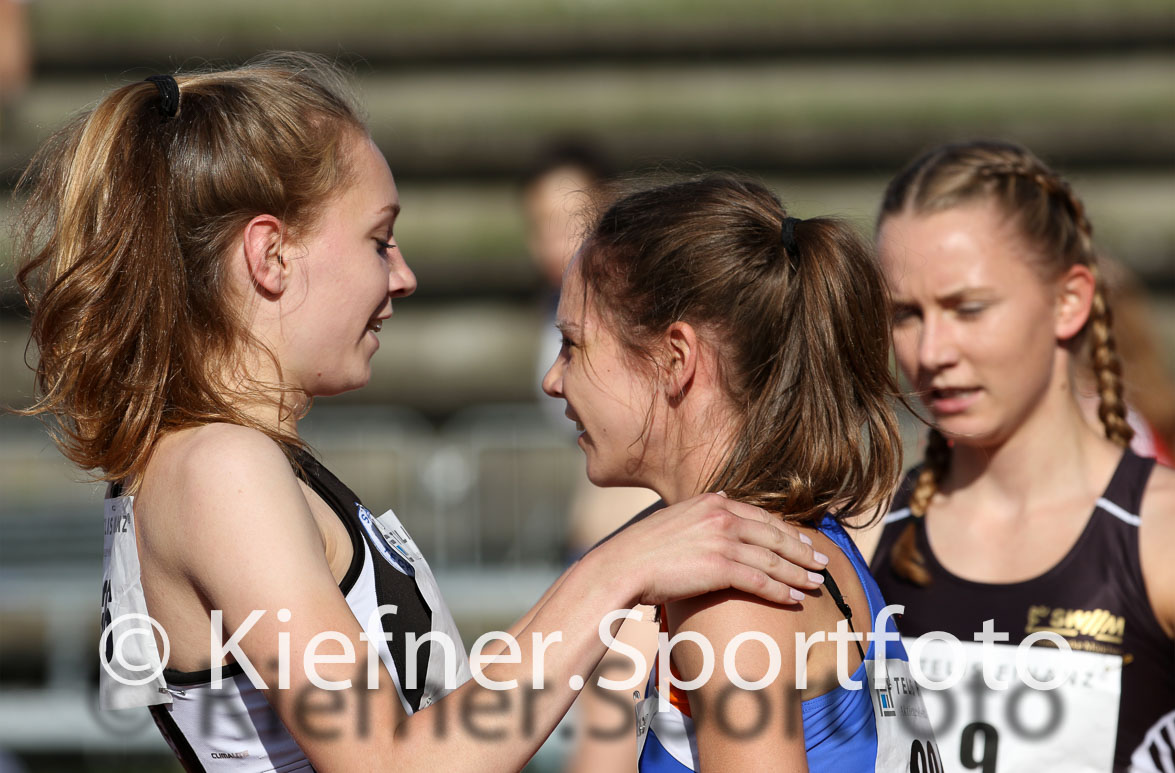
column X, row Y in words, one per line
column 1098, row 624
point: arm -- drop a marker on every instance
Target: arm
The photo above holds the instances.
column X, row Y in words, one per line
column 737, row 729
column 250, row 543
column 605, row 725
column 794, row 554
column 1157, row 544
column 526, row 618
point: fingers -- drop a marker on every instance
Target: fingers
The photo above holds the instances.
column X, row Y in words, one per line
column 768, row 562
column 758, row 583
column 784, row 542
column 753, row 513
column 744, row 510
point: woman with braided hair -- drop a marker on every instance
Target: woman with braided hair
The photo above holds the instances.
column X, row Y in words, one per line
column 1021, row 513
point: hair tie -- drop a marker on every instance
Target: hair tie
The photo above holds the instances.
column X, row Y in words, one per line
column 787, row 233
column 169, row 92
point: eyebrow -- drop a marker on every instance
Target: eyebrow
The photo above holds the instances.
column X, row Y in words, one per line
column 965, row 293
column 393, row 208
column 954, row 296
column 566, row 327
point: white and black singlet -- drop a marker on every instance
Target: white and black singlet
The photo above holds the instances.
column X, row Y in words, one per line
column 234, row 727
column 1115, row 708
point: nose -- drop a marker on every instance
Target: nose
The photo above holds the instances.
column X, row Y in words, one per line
column 937, row 348
column 401, row 279
column 553, row 379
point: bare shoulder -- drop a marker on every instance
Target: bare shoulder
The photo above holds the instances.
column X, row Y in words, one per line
column 218, row 490
column 720, row 618
column 1158, row 510
column 1157, row 542
column 1159, row 498
column 722, row 615
column 205, row 454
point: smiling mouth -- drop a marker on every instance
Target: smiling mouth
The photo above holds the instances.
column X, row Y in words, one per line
column 375, row 325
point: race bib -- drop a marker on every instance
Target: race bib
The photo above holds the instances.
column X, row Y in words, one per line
column 675, row 744
column 392, row 542
column 1020, row 728
column 398, row 540
column 644, row 718
column 130, row 674
column 905, row 739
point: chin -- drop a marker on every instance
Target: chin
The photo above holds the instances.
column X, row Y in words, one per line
column 599, row 479
column 611, row 478
column 338, row 388
column 978, row 434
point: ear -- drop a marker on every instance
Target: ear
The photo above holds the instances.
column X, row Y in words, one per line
column 1074, row 301
column 681, row 341
column 262, row 245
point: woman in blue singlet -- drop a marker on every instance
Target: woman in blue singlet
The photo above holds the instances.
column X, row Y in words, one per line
column 711, row 342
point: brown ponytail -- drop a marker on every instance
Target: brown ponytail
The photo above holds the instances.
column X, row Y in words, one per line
column 129, row 218
column 800, row 311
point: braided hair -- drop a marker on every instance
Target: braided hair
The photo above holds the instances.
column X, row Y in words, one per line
column 1050, row 217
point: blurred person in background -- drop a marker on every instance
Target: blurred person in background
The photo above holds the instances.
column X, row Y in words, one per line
column 16, row 53
column 1022, row 513
column 203, row 255
column 712, row 342
column 565, row 189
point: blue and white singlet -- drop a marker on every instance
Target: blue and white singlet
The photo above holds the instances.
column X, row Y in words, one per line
column 845, row 731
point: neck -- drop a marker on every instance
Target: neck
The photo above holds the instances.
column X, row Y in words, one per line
column 694, row 460
column 256, row 396
column 272, row 412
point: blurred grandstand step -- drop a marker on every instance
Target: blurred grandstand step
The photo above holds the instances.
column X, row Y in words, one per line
column 115, row 34
column 465, row 239
column 826, row 116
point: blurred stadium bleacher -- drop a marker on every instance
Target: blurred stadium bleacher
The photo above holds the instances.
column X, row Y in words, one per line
column 824, row 100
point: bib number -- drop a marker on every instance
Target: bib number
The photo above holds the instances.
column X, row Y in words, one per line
column 905, row 739
column 1071, row 727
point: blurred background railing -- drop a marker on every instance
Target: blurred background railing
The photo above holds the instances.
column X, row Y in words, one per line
column 824, row 100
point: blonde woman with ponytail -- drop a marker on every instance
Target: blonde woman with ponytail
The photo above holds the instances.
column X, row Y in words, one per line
column 202, row 255
column 1021, row 513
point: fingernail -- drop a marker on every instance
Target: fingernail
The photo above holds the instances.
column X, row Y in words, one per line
column 820, row 558
column 816, row 578
column 804, row 538
column 721, row 493
column 797, row 594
